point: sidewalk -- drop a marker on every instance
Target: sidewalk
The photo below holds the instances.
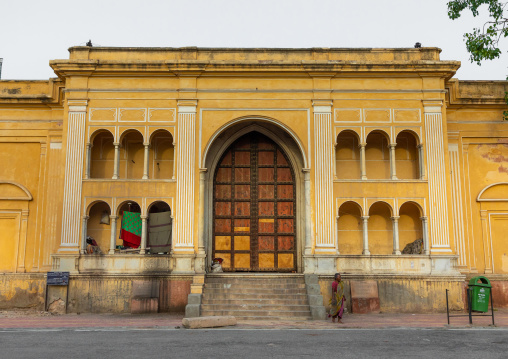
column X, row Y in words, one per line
column 34, row 320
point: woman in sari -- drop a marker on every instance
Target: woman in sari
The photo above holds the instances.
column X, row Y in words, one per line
column 337, row 300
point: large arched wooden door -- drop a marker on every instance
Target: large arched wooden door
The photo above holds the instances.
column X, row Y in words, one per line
column 254, row 207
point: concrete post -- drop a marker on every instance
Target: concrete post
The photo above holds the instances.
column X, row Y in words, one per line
column 84, row 229
column 145, row 161
column 393, row 170
column 421, row 162
column 142, row 248
column 365, row 220
column 395, row 227
column 116, row 163
column 425, row 230
column 363, row 167
column 88, row 159
column 112, row 242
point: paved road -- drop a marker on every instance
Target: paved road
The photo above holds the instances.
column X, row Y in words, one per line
column 234, row 343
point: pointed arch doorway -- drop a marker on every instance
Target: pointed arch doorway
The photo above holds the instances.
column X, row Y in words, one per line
column 254, row 207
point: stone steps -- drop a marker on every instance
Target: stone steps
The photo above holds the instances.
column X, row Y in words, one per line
column 253, row 301
column 256, row 296
column 250, row 314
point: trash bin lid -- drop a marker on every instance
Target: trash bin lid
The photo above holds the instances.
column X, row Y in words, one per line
column 485, row 282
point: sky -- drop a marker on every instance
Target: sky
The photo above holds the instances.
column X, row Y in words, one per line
column 35, row 31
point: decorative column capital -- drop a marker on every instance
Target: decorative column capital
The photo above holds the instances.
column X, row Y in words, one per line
column 77, row 105
column 146, row 144
column 116, row 144
column 395, row 218
column 113, row 217
column 420, row 146
column 203, row 170
column 25, row 212
column 362, row 144
column 187, row 106
column 322, row 106
column 143, row 216
column 392, row 145
column 424, row 218
column 365, row 218
column 432, row 106
column 86, row 218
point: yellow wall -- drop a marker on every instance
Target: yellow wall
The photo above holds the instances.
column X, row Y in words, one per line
column 369, row 102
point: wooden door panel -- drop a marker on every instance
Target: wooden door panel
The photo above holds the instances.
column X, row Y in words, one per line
column 254, row 207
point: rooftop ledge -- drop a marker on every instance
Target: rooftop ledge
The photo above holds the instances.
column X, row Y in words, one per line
column 242, row 54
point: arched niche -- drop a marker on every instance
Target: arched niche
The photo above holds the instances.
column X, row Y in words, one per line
column 347, row 155
column 102, row 154
column 380, row 228
column 410, row 224
column 132, row 152
column 377, row 155
column 98, row 224
column 162, row 155
column 407, row 155
column 349, row 227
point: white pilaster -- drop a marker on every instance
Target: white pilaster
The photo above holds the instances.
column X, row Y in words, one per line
column 84, row 230
column 425, row 230
column 457, row 205
column 88, row 159
column 438, row 211
column 145, row 163
column 112, row 241
column 308, row 218
column 201, row 212
column 75, row 147
column 365, row 235
column 116, row 160
column 142, row 247
column 393, row 169
column 186, row 163
column 323, row 177
column 421, row 162
column 395, row 228
column 363, row 166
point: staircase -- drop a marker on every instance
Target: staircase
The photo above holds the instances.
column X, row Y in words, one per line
column 256, row 296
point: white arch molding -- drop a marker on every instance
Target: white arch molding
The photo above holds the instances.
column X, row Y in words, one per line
column 296, row 155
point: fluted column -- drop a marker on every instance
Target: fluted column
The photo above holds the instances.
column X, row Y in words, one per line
column 75, row 147
column 395, row 229
column 421, row 162
column 308, row 218
column 363, row 166
column 146, row 160
column 393, row 170
column 323, row 177
column 112, row 241
column 88, row 159
column 84, row 229
column 142, row 247
column 186, row 171
column 438, row 197
column 425, row 230
column 337, row 233
column 201, row 212
column 116, row 160
column 365, row 233
column 22, row 241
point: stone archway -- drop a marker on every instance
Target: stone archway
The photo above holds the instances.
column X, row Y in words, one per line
column 287, row 250
column 254, row 207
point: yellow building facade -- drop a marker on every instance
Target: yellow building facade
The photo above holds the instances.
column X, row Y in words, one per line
column 305, row 161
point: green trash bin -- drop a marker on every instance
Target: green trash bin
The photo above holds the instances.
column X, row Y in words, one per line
column 480, row 294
